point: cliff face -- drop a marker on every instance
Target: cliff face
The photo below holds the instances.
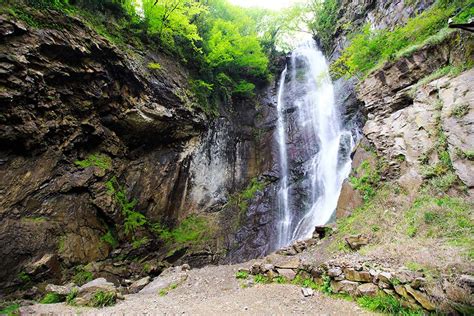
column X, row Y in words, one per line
column 79, row 115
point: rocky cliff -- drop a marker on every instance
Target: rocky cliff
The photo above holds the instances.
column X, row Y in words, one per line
column 102, row 155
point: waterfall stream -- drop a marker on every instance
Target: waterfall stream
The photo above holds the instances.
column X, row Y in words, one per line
column 314, row 148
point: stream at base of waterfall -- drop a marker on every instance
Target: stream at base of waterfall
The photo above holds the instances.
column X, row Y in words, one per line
column 314, row 148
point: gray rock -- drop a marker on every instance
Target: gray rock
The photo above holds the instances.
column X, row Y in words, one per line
column 60, row 289
column 170, row 277
column 344, row 286
column 334, row 272
column 136, row 286
column 307, row 291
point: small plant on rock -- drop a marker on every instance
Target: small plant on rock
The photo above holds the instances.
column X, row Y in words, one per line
column 52, row 298
column 82, row 276
column 103, row 298
column 70, row 298
column 241, row 275
column 10, row 310
column 260, row 278
column 279, row 279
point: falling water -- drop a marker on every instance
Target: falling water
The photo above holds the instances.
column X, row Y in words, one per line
column 309, row 134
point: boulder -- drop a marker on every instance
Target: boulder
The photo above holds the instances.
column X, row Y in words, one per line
column 136, row 286
column 289, row 274
column 367, row 289
column 87, row 291
column 344, row 286
column 334, row 272
column 256, row 268
column 467, row 279
column 289, row 264
column 357, row 241
column 349, row 200
column 385, row 277
column 358, row 276
column 60, row 289
column 420, row 298
column 169, row 277
column 267, row 267
column 48, row 264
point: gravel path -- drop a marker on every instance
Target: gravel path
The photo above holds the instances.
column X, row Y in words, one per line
column 214, row 290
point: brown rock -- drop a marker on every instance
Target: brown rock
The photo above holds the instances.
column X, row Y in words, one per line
column 289, row 274
column 334, row 272
column 367, row 289
column 420, row 298
column 359, row 276
column 46, row 265
column 136, row 286
column 344, row 286
column 357, row 241
column 349, row 200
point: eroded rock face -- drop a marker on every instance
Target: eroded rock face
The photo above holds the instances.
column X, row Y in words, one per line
column 68, row 93
column 405, row 118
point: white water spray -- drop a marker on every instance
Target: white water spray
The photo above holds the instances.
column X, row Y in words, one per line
column 310, row 93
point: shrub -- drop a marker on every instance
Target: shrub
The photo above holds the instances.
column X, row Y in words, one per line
column 70, row 298
column 241, row 275
column 367, row 180
column 98, row 160
column 260, row 278
column 137, row 243
column 103, row 298
column 82, row 276
column 460, row 110
column 110, row 239
column 52, row 298
column 371, row 48
column 24, row 277
column 325, row 20
column 10, row 310
column 154, row 66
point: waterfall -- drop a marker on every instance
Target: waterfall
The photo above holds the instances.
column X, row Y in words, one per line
column 314, row 148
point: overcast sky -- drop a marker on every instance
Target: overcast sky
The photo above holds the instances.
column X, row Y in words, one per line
column 270, row 4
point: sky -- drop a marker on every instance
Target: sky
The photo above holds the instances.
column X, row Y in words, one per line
column 269, row 4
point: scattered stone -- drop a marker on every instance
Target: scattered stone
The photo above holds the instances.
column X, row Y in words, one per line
column 256, row 268
column 353, row 275
column 307, row 291
column 420, row 298
column 60, row 289
column 357, row 241
column 266, row 267
column 138, row 285
column 185, row 267
column 405, row 276
column 385, row 277
column 344, row 287
column 299, row 246
column 367, row 289
column 334, row 272
column 467, row 279
column 46, row 265
column 289, row 274
column 290, row 264
column 418, row 282
column 287, row 251
column 384, row 285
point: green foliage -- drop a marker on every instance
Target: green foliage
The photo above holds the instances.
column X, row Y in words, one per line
column 133, row 219
column 97, row 160
column 82, row 276
column 261, row 279
column 70, row 298
column 10, row 310
column 52, row 298
column 203, row 92
column 103, row 298
column 386, row 304
column 279, row 279
column 110, row 239
column 372, row 48
column 24, row 277
column 154, row 66
column 192, row 230
column 244, row 89
column 464, row 15
column 367, row 180
column 325, row 20
column 241, row 275
column 460, row 110
column 138, row 243
column 166, row 290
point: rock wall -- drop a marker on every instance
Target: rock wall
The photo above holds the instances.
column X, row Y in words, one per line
column 67, row 94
